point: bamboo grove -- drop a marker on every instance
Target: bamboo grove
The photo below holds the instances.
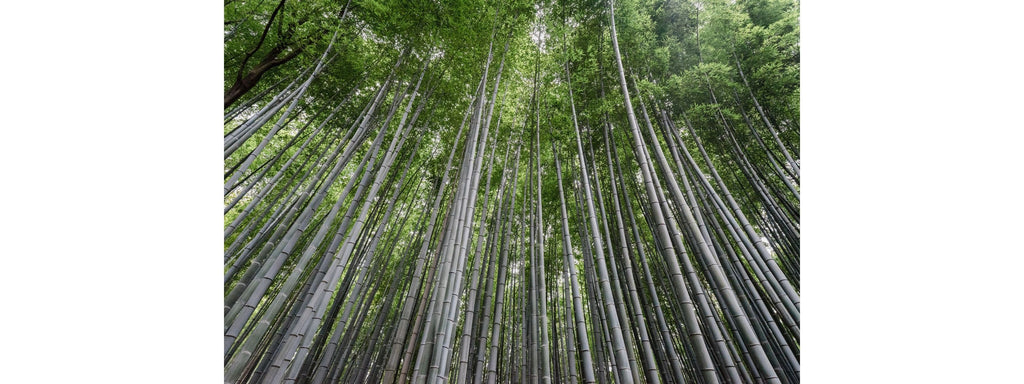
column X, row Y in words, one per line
column 484, row 191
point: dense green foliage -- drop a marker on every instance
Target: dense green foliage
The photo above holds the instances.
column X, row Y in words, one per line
column 511, row 191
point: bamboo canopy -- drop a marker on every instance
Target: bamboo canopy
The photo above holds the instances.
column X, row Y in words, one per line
column 511, row 191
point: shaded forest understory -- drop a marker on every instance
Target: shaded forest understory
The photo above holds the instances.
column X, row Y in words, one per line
column 511, row 191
